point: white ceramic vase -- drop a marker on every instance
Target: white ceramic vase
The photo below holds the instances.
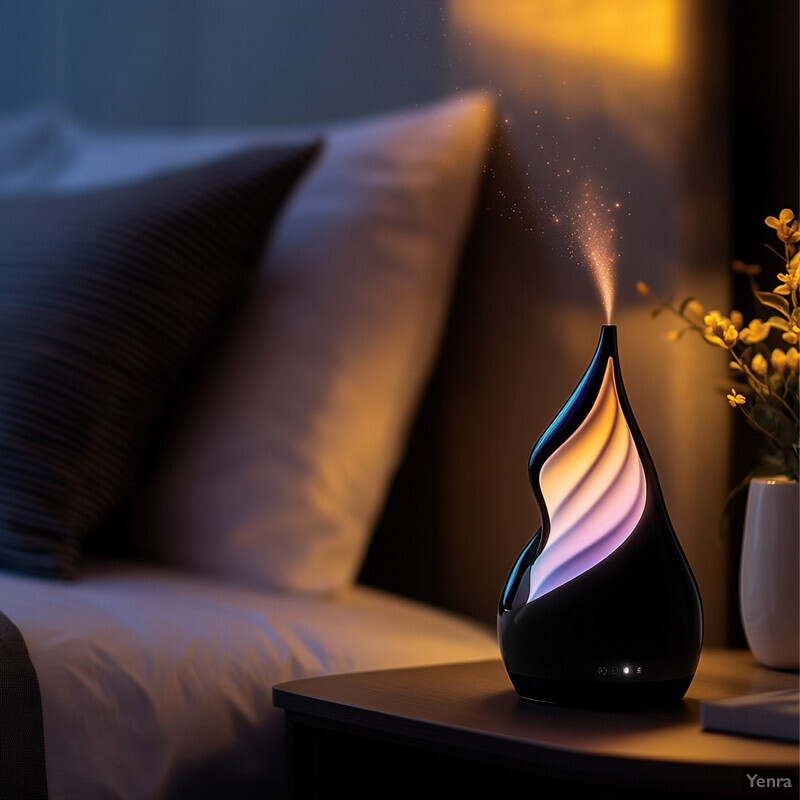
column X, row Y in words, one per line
column 769, row 595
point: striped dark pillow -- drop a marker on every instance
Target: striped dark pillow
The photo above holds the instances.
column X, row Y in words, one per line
column 107, row 300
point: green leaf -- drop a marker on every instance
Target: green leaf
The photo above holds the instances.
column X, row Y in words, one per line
column 778, row 322
column 772, row 300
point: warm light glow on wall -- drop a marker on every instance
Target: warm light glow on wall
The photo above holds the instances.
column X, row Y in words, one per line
column 645, row 34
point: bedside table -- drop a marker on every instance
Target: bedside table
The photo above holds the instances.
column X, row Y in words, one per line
column 460, row 731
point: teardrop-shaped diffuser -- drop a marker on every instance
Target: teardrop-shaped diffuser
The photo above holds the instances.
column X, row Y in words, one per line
column 601, row 605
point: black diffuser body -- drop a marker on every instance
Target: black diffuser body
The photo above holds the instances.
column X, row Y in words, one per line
column 601, row 606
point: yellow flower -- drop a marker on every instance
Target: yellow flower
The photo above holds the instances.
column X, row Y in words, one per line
column 756, row 331
column 737, row 319
column 778, row 360
column 785, row 225
column 711, row 339
column 793, row 359
column 716, row 327
column 792, row 336
column 731, row 336
column 735, row 399
column 759, row 364
column 696, row 308
column 790, row 283
column 790, row 278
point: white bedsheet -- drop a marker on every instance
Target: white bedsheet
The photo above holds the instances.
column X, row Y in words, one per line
column 158, row 685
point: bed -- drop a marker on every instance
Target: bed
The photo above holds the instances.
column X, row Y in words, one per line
column 212, row 350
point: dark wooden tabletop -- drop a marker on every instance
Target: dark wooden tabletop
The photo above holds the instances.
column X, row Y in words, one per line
column 473, row 707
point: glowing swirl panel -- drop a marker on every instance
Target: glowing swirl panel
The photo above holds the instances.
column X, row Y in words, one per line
column 594, row 489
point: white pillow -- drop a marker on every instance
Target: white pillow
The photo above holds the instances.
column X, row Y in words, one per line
column 282, row 462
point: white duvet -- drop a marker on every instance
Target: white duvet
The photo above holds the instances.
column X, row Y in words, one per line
column 158, row 685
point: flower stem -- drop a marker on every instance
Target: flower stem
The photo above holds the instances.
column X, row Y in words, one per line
column 761, row 386
column 751, row 421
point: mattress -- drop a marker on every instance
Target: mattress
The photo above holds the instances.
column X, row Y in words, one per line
column 156, row 684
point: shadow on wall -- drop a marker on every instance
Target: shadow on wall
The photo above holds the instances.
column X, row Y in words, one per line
column 454, row 544
column 219, row 63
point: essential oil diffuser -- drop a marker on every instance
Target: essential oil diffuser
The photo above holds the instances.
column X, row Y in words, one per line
column 601, row 606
